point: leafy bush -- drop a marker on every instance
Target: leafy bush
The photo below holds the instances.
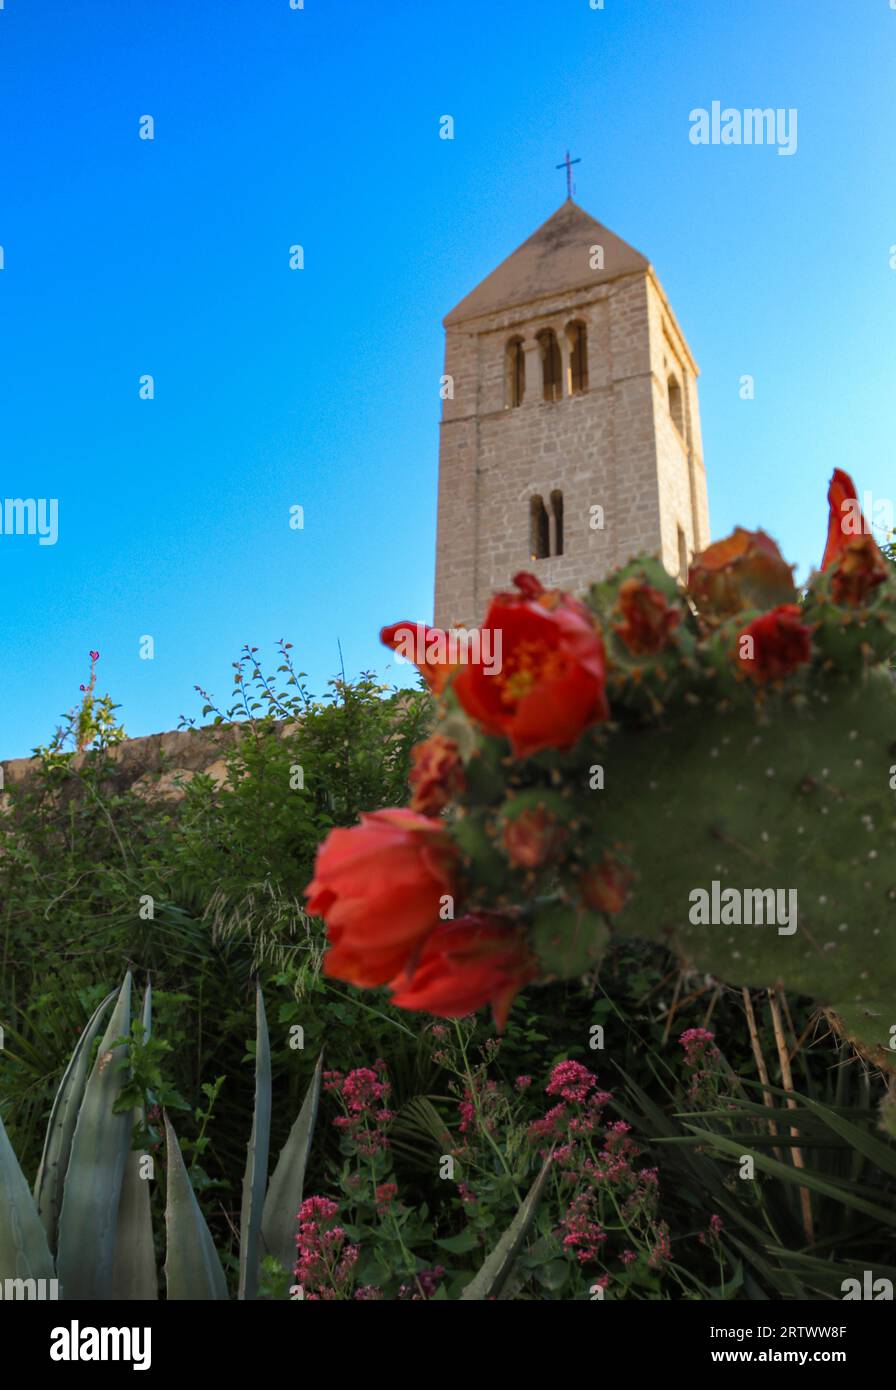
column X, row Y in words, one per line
column 226, row 868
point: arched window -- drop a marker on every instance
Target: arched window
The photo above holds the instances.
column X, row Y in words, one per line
column 682, row 557
column 539, row 530
column 577, row 333
column 514, row 373
column 676, row 403
column 551, row 365
column 557, row 522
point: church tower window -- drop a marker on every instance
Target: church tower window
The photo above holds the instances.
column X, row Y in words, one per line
column 676, row 403
column 682, row 557
column 539, row 530
column 557, row 522
column 551, row 365
column 577, row 333
column 515, row 373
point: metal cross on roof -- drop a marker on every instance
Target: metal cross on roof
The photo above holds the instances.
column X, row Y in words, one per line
column 567, row 165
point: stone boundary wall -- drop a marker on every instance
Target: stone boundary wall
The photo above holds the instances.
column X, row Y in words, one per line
column 157, row 764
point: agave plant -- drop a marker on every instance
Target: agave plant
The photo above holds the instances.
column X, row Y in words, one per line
column 88, row 1222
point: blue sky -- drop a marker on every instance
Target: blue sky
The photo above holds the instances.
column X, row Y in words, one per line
column 319, row 387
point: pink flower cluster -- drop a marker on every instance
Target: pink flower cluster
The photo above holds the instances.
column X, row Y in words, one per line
column 699, row 1046
column 361, row 1094
column 570, row 1080
column 386, row 1193
column 581, row 1232
column 598, row 1159
column 702, row 1058
column 424, row 1287
column 662, row 1250
column 712, row 1234
column 478, row 1110
column 325, row 1261
column 580, row 1111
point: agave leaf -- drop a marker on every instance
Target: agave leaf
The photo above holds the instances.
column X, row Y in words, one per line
column 89, row 1215
column 256, row 1174
column 50, row 1179
column 134, row 1272
column 278, row 1222
column 24, row 1251
column 192, row 1267
column 494, row 1273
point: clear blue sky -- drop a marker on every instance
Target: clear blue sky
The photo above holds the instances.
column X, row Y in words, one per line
column 320, row 387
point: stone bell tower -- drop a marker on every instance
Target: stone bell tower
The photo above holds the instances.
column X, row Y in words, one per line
column 572, row 439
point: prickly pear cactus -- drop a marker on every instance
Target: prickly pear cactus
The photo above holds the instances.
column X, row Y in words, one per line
column 796, row 800
column 716, row 770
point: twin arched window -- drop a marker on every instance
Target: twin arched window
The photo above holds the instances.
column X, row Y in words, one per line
column 551, row 365
column 546, row 527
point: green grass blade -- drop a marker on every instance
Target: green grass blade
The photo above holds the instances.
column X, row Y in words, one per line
column 278, row 1223
column 800, row 1177
column 89, row 1217
column 255, row 1179
column 192, row 1267
column 24, row 1251
column 50, row 1179
column 882, row 1155
column 496, row 1270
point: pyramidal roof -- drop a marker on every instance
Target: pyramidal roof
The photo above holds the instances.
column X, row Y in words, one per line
column 556, row 258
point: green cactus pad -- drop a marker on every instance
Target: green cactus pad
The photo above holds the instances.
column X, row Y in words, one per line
column 796, row 798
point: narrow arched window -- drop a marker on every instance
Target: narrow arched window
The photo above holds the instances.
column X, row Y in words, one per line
column 577, row 333
column 551, row 365
column 676, row 403
column 539, row 530
column 682, row 556
column 514, row 373
column 556, row 522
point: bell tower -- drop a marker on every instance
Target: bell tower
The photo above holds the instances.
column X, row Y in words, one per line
column 570, row 436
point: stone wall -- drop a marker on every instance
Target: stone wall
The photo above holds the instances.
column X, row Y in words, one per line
column 157, row 765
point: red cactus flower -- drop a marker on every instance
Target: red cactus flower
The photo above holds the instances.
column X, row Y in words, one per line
column 547, row 684
column 437, row 774
column 851, row 552
column 534, row 838
column 647, row 618
column 747, row 570
column 605, row 886
column 94, row 656
column 426, row 647
column 777, row 643
column 379, row 887
column 479, row 959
